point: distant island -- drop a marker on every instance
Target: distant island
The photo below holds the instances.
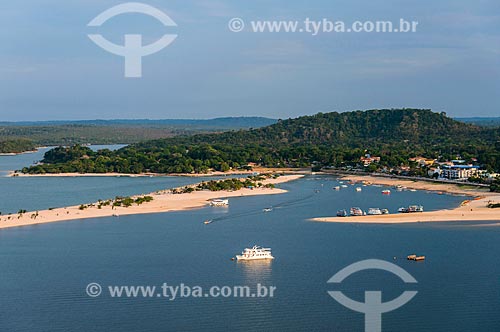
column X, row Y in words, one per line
column 18, row 137
column 411, row 142
column 17, row 146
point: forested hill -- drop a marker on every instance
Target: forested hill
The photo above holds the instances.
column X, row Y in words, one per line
column 352, row 129
column 333, row 139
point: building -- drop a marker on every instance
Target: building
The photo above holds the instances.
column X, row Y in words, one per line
column 433, row 171
column 421, row 161
column 367, row 160
column 460, row 172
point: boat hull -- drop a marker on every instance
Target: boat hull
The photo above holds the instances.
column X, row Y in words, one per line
column 243, row 258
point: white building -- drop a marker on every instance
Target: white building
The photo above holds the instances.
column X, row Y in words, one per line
column 460, row 172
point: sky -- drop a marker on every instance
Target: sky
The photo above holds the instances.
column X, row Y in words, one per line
column 51, row 70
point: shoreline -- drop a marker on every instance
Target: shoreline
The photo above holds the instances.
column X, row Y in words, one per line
column 213, row 173
column 11, row 154
column 470, row 210
column 164, row 201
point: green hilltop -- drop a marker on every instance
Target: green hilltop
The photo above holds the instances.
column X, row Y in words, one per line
column 325, row 139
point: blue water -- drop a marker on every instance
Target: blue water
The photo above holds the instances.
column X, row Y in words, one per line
column 45, row 269
column 38, row 193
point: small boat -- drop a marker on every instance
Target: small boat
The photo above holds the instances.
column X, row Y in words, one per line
column 415, row 258
column 356, row 211
column 255, row 253
column 411, row 209
column 336, row 188
column 209, row 221
column 374, row 211
column 358, row 189
column 219, row 202
column 342, row 213
column 267, row 209
column 384, row 211
column 344, row 186
column 415, row 208
column 386, row 192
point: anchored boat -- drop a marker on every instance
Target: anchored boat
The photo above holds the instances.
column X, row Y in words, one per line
column 374, row 211
column 342, row 213
column 219, row 202
column 356, row 211
column 411, row 209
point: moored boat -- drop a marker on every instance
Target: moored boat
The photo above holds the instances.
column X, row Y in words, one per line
column 415, row 208
column 374, row 211
column 386, row 192
column 219, row 202
column 411, row 209
column 415, row 258
column 356, row 211
column 342, row 213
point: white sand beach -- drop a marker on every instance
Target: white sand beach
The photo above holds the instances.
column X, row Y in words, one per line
column 470, row 210
column 162, row 202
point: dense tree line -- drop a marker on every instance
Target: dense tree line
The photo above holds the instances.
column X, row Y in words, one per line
column 52, row 133
column 330, row 139
column 16, row 146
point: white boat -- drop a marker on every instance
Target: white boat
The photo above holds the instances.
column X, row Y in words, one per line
column 344, row 186
column 209, row 221
column 219, row 202
column 267, row 209
column 386, row 192
column 415, row 208
column 336, row 188
column 255, row 253
column 342, row 213
column 358, row 189
column 374, row 211
column 356, row 211
column 411, row 209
